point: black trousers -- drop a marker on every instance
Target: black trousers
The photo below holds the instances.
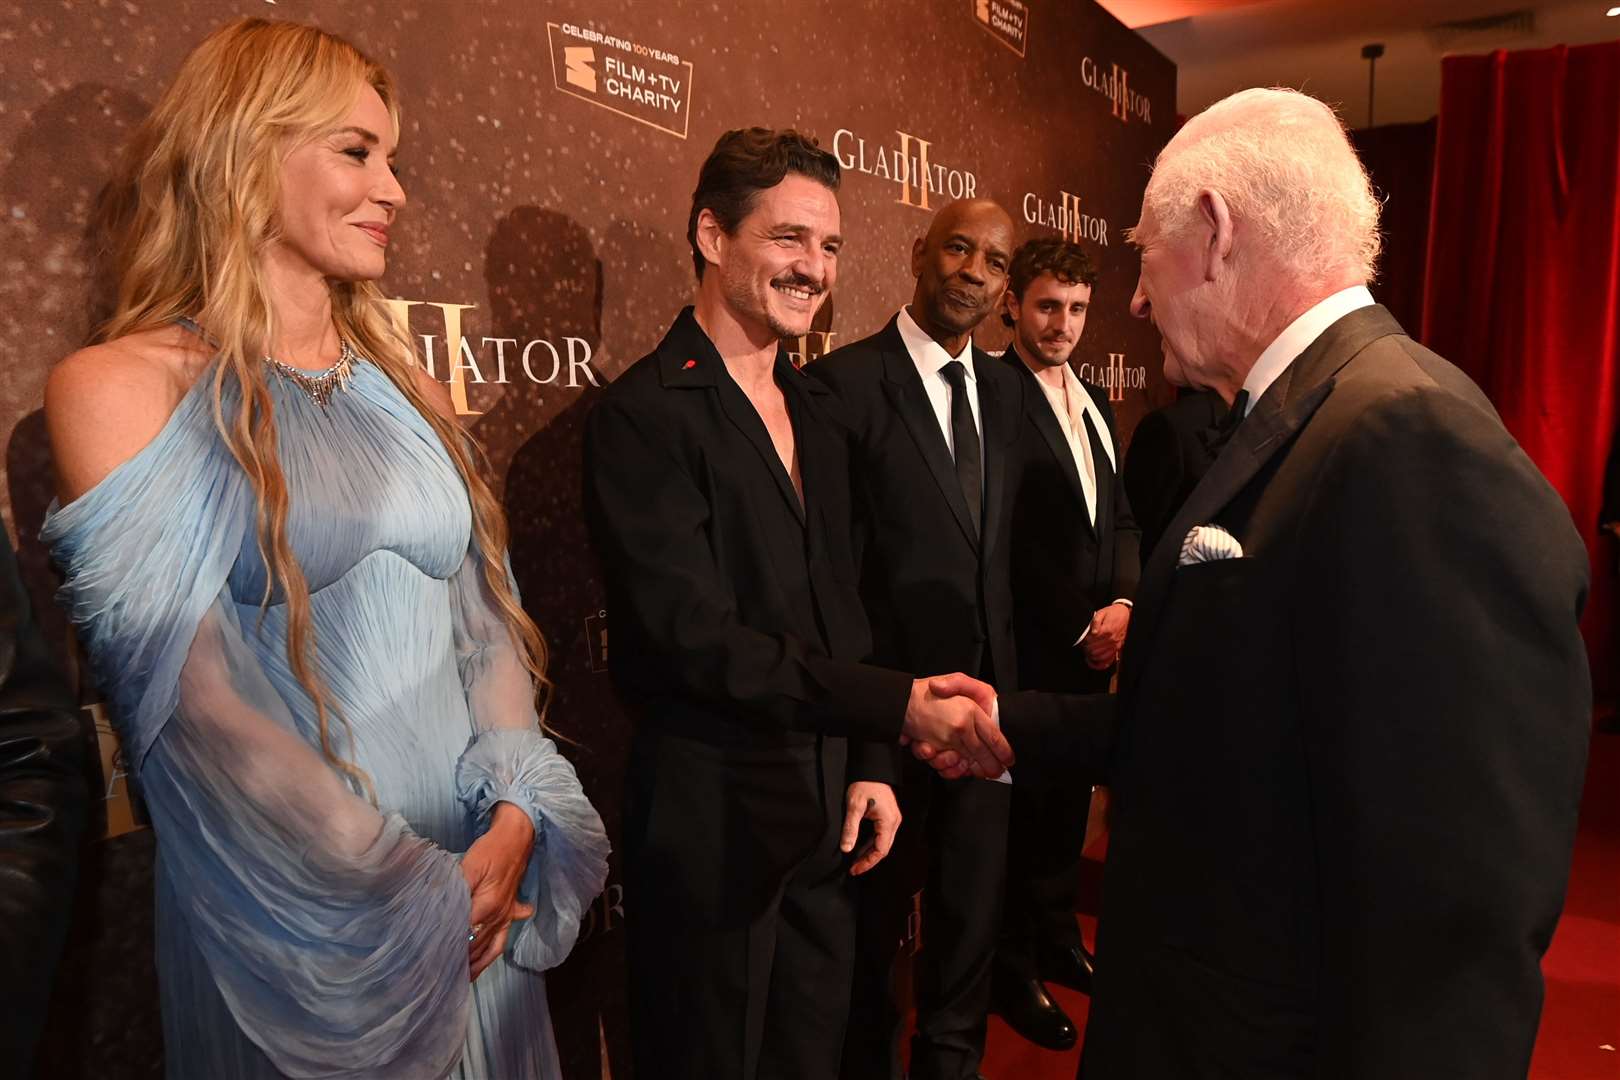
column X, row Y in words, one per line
column 740, row 911
column 953, row 843
column 1046, row 833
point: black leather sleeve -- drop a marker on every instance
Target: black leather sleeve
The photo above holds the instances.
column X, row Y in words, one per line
column 42, row 813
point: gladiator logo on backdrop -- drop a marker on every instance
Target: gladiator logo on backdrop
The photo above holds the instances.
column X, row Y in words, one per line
column 1114, row 83
column 648, row 85
column 563, row 363
column 1007, row 21
column 907, row 163
column 1066, row 218
column 1116, row 377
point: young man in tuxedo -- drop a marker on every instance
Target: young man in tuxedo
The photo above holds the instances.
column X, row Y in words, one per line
column 717, row 494
column 1074, row 549
column 936, row 422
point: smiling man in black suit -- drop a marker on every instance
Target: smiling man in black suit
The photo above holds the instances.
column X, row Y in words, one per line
column 936, row 421
column 717, row 493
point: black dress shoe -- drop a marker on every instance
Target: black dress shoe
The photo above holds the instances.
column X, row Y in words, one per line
column 1071, row 966
column 1030, row 1011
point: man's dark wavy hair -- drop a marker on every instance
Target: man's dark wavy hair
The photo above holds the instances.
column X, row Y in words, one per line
column 746, row 162
column 1063, row 259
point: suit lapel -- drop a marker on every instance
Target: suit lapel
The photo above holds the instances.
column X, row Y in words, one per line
column 1276, row 419
column 1046, row 422
column 1268, row 429
column 1100, row 463
column 905, row 390
column 813, row 437
column 741, row 412
column 688, row 360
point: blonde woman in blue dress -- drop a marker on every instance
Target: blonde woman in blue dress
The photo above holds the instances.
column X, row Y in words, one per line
column 291, row 583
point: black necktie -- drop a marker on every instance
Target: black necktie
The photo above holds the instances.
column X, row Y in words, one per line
column 1219, row 435
column 965, row 438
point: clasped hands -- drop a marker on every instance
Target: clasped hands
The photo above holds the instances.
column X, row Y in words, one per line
column 951, row 723
column 1105, row 635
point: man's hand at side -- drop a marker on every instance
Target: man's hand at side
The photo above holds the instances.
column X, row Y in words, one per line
column 874, row 802
column 1106, row 636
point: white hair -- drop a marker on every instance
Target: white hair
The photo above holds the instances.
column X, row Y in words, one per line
column 1285, row 167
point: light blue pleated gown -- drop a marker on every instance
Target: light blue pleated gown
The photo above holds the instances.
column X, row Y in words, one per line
column 301, row 931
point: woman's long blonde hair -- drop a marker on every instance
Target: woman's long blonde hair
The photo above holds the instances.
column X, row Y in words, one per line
column 189, row 214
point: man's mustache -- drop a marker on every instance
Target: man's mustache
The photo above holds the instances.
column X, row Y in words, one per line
column 799, row 281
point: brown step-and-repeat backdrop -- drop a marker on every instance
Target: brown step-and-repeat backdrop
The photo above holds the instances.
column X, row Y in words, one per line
column 549, row 151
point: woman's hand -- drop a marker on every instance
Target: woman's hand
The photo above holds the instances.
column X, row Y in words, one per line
column 867, row 800
column 493, row 867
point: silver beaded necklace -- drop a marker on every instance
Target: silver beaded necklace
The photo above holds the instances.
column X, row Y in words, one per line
column 319, row 386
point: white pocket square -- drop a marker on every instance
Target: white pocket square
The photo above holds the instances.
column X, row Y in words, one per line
column 1208, row 543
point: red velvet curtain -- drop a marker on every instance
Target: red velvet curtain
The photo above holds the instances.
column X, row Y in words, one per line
column 1522, row 288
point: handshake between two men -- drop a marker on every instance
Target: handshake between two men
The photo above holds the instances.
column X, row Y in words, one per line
column 952, row 722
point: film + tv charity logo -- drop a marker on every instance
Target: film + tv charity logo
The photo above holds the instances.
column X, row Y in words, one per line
column 1007, row 21
column 648, row 85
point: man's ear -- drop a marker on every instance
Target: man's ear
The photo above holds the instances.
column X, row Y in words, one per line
column 1216, row 217
column 918, row 246
column 711, row 236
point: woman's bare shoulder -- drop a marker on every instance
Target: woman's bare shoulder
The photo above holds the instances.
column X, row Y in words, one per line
column 107, row 401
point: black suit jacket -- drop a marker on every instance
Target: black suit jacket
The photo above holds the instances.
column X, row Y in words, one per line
column 1349, row 761
column 1063, row 566
column 1169, row 453
column 735, row 613
column 938, row 594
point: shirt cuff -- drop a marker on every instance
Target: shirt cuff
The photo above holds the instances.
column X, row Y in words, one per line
column 1087, row 630
column 995, row 718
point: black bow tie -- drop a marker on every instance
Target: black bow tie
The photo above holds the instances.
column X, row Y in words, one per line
column 1219, row 435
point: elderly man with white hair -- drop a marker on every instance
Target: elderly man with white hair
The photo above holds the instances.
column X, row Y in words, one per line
column 1354, row 705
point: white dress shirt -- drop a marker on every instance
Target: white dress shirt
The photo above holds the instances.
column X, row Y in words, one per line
column 1297, row 337
column 1058, row 397
column 930, row 357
